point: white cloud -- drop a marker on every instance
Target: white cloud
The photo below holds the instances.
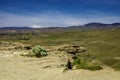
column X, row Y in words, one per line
column 52, row 19
column 35, row 26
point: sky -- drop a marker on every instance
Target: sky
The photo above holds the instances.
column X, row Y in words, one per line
column 57, row 13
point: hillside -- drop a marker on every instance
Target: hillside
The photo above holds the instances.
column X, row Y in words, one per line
column 102, row 44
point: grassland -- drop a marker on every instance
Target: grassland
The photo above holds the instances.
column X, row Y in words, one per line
column 103, row 43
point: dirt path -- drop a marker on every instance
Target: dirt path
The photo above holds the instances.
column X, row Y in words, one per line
column 47, row 68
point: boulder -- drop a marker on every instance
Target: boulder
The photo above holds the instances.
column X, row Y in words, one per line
column 72, row 49
column 27, row 47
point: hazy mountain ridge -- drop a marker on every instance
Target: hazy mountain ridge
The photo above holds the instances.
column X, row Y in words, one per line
column 97, row 26
column 15, row 28
column 86, row 26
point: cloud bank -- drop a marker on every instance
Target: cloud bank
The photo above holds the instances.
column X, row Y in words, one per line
column 53, row 19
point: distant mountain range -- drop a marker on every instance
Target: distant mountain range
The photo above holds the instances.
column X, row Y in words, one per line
column 97, row 26
column 86, row 26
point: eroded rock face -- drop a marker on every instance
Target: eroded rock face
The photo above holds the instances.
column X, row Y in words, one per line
column 13, row 46
column 27, row 47
column 23, row 47
column 66, row 51
column 72, row 49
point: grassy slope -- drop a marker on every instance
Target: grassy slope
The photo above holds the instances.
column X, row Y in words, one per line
column 103, row 43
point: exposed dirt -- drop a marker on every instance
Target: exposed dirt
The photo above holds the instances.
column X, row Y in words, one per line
column 15, row 67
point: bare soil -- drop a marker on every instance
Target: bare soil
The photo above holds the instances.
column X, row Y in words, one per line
column 15, row 67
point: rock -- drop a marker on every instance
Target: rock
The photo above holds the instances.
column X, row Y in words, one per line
column 14, row 46
column 72, row 49
column 18, row 47
column 74, row 67
column 27, row 47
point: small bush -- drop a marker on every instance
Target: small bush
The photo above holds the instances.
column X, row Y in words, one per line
column 116, row 66
column 84, row 63
column 39, row 51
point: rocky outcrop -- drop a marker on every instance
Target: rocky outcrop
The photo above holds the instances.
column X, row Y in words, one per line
column 14, row 46
column 72, row 49
column 66, row 51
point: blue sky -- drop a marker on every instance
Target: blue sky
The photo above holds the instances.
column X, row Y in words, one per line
column 50, row 13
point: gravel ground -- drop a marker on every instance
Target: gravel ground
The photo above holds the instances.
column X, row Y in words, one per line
column 47, row 68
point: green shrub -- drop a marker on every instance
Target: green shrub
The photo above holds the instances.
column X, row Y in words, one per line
column 39, row 51
column 116, row 66
column 84, row 63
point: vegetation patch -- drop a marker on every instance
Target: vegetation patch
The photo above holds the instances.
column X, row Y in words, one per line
column 86, row 63
column 37, row 51
column 116, row 66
